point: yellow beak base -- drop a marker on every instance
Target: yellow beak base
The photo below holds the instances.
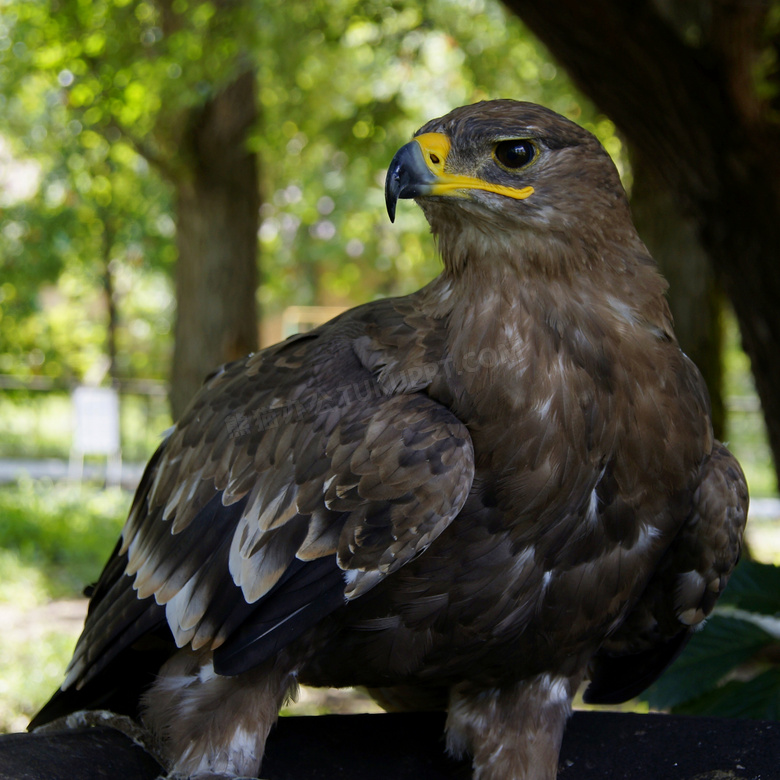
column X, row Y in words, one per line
column 435, row 148
column 418, row 169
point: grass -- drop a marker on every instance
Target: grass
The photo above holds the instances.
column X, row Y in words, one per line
column 54, row 539
column 31, row 669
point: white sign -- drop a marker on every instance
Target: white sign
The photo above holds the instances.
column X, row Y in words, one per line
column 96, row 417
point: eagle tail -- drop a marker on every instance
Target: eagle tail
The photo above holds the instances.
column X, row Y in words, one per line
column 615, row 679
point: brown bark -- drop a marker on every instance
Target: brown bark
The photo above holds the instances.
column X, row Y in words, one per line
column 218, row 219
column 112, row 324
column 687, row 110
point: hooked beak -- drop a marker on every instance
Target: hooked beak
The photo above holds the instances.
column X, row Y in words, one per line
column 418, row 169
column 407, row 177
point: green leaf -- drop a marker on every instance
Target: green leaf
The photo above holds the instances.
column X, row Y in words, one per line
column 757, row 698
column 754, row 587
column 723, row 644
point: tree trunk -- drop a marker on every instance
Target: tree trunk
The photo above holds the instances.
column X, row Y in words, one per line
column 112, row 324
column 694, row 296
column 218, row 219
column 693, row 115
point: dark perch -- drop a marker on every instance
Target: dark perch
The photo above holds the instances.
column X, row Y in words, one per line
column 596, row 746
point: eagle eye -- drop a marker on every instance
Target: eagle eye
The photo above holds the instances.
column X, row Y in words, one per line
column 514, row 153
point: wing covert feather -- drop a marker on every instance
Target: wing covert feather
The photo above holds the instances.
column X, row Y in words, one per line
column 303, row 472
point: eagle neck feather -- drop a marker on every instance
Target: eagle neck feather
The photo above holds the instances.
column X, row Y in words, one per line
column 502, row 309
column 472, row 239
column 622, row 279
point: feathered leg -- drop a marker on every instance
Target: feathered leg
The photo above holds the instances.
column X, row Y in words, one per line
column 211, row 726
column 513, row 733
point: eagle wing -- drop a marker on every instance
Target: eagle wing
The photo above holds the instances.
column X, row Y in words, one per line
column 684, row 589
column 293, row 484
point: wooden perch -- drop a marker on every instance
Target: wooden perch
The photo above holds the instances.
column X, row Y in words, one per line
column 596, row 746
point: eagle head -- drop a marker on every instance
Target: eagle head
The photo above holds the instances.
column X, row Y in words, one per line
column 504, row 178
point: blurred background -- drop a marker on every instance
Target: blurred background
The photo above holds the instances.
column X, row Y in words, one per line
column 182, row 182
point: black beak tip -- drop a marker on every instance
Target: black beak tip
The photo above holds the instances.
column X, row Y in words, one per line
column 392, row 190
column 390, row 209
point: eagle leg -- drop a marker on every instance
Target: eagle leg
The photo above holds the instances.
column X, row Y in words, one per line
column 211, row 726
column 513, row 732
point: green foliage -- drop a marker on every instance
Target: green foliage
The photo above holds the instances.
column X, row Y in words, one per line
column 32, row 665
column 723, row 644
column 90, row 93
column 95, row 210
column 97, row 98
column 753, row 587
column 55, row 539
column 758, row 697
column 342, row 85
column 731, row 668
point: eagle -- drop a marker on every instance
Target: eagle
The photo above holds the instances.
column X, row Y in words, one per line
column 471, row 498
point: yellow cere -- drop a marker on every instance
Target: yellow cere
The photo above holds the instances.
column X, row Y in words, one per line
column 435, row 148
